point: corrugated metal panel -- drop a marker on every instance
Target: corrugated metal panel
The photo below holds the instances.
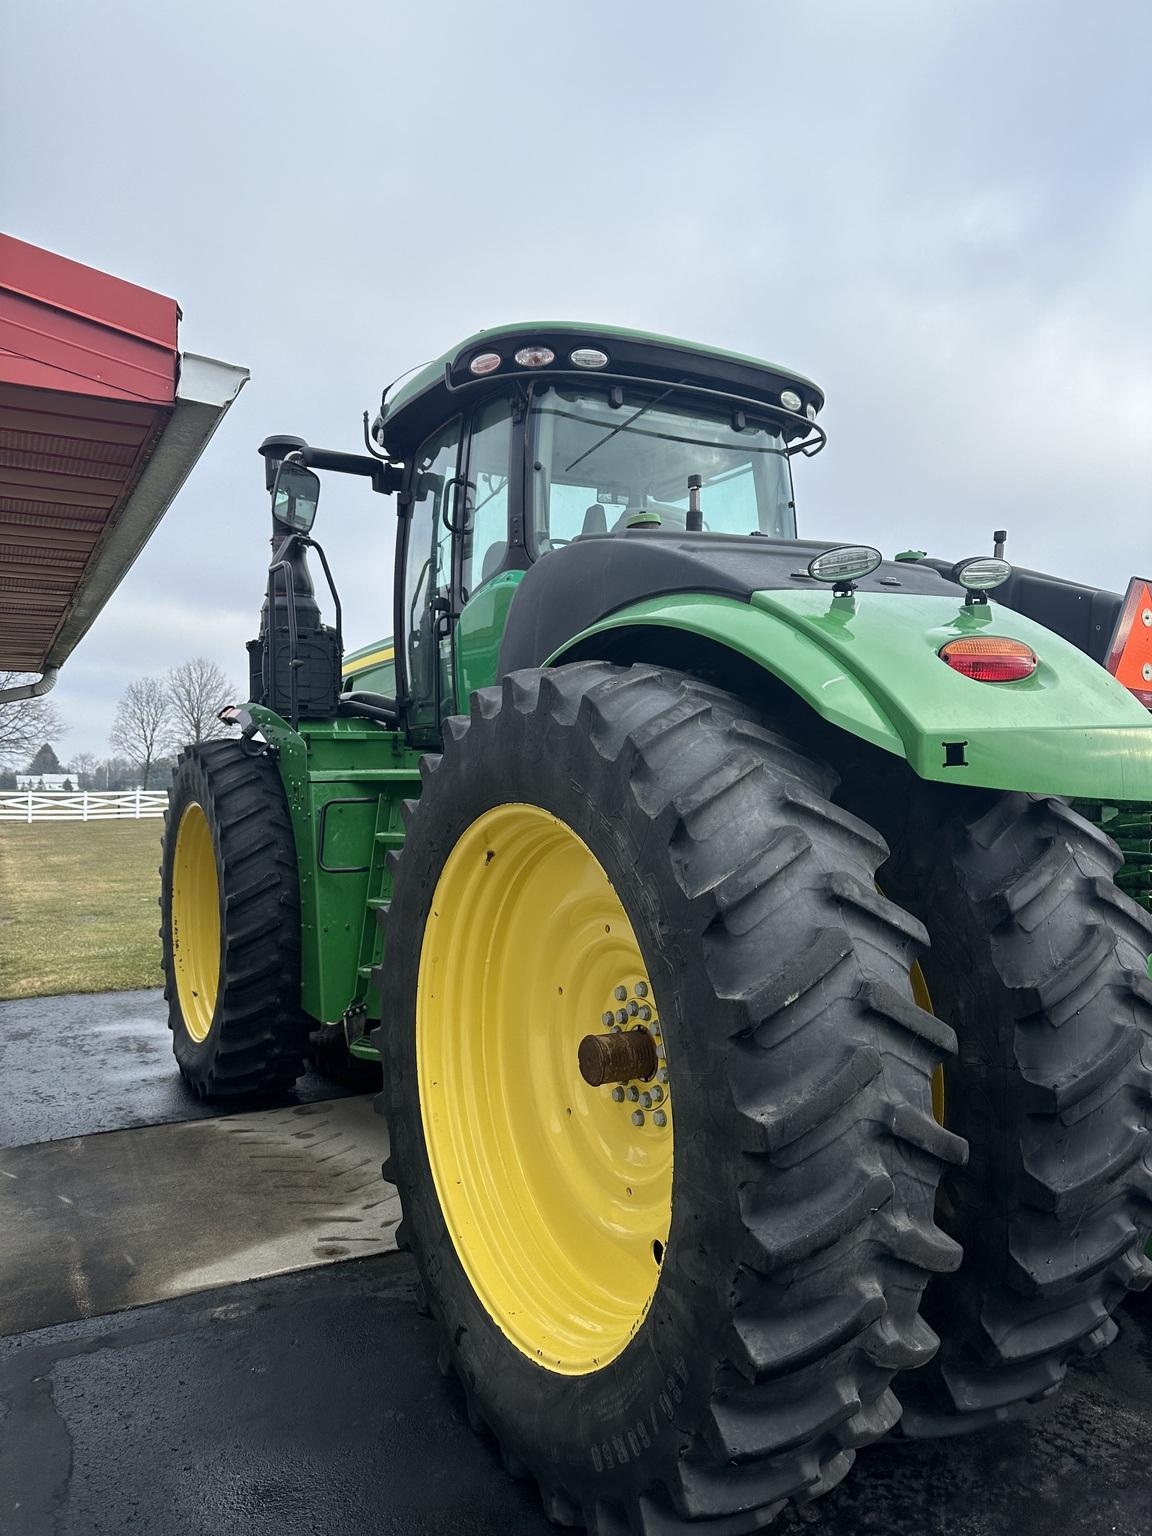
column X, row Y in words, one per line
column 64, row 478
column 58, row 280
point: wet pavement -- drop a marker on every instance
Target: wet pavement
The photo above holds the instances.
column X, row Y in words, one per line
column 88, row 1062
column 95, row 1224
column 310, row 1402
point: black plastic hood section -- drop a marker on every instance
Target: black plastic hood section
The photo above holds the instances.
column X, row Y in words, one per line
column 1084, row 615
column 571, row 588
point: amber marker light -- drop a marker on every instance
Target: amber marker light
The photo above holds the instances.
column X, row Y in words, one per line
column 990, row 658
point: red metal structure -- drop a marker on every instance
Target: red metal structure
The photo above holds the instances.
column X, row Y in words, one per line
column 101, row 419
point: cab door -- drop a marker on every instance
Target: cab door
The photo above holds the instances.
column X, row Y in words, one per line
column 463, row 509
column 427, row 593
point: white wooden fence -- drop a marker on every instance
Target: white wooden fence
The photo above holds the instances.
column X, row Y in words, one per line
column 85, row 805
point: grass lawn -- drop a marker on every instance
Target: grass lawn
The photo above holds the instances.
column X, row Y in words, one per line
column 78, row 906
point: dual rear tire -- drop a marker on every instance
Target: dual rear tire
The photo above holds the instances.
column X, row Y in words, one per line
column 1040, row 963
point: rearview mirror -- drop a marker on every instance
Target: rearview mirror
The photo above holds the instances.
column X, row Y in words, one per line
column 295, row 494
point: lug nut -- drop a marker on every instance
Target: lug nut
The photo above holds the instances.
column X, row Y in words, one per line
column 620, row 994
column 633, row 1093
column 606, row 1018
column 660, row 1119
column 645, row 1013
column 633, row 1009
column 641, row 989
column 657, row 1094
column 646, row 1100
column 663, row 1074
column 618, row 1095
column 637, row 1117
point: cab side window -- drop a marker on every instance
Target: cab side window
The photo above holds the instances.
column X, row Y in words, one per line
column 486, row 541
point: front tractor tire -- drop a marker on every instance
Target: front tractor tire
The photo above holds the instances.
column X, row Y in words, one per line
column 230, row 926
column 684, row 1295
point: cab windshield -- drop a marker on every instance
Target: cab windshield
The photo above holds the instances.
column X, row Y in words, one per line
column 601, row 463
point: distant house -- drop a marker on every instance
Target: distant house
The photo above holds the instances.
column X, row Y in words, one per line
column 43, row 781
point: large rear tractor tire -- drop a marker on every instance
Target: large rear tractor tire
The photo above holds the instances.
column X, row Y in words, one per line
column 681, row 1292
column 1040, row 964
column 230, row 926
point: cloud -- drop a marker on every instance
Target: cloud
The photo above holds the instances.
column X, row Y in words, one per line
column 942, row 212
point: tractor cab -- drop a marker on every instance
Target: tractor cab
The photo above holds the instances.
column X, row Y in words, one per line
column 529, row 439
column 520, row 443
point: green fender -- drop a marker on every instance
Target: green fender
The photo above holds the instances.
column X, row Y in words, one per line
column 869, row 665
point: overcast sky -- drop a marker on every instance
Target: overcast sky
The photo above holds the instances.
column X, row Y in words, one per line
column 941, row 210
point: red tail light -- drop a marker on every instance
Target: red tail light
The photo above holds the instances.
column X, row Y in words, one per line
column 990, row 658
column 1130, row 654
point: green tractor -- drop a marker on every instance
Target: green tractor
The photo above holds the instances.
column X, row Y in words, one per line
column 766, row 1037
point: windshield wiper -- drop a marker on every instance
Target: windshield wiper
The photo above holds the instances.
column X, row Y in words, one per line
column 644, row 409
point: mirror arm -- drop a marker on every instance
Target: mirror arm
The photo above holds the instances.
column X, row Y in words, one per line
column 385, row 477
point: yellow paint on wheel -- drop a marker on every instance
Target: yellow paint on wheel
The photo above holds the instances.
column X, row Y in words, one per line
column 195, row 921
column 923, row 1000
column 557, row 1195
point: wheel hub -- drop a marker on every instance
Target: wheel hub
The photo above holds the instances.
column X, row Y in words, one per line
column 617, row 1057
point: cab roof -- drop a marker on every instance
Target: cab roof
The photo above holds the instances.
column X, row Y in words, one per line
column 440, row 387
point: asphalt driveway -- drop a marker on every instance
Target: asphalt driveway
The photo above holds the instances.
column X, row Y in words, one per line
column 251, row 1372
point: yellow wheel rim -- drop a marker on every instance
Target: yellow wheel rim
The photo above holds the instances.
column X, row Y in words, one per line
column 557, row 1195
column 195, row 921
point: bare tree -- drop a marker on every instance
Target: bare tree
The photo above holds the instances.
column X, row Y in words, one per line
column 84, row 767
column 143, row 723
column 25, row 723
column 198, row 691
column 113, row 773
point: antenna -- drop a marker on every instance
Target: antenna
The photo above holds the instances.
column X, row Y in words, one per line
column 370, row 445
